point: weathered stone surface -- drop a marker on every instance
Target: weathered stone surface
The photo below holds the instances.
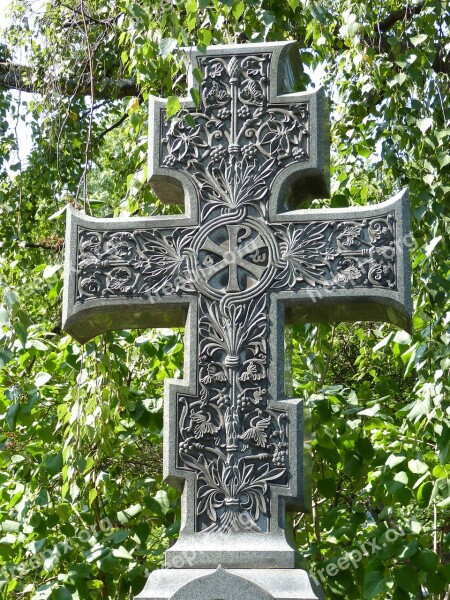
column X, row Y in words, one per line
column 241, row 261
column 230, row 584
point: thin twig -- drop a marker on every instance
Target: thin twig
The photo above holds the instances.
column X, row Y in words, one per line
column 113, row 126
column 86, row 17
column 96, row 107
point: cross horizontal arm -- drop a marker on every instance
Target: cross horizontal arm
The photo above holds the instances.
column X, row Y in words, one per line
column 347, row 264
column 332, row 265
column 125, row 273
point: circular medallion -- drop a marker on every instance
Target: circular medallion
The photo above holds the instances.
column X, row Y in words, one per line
column 234, row 258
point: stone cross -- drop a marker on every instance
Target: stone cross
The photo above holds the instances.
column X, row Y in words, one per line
column 243, row 259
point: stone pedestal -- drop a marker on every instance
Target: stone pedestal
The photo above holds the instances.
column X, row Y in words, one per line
column 230, row 584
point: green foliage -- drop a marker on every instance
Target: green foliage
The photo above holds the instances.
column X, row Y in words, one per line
column 84, row 512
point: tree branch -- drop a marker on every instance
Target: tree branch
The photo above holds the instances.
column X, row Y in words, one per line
column 45, row 245
column 441, row 62
column 19, row 77
column 398, row 15
column 15, row 77
column 113, row 126
column 90, row 18
column 77, row 24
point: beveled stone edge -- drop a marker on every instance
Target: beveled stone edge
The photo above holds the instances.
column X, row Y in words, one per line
column 282, row 584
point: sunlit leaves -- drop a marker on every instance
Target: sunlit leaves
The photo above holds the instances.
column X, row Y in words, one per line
column 167, row 46
column 81, row 435
column 173, row 106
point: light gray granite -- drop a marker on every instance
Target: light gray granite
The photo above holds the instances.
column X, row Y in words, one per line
column 242, row 260
column 230, row 584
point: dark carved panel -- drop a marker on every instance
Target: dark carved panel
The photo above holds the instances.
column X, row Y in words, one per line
column 233, row 148
column 240, row 257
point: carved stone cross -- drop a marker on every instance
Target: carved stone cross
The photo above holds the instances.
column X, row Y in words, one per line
column 242, row 259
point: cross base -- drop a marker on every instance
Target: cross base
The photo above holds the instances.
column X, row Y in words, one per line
column 230, row 584
column 233, row 551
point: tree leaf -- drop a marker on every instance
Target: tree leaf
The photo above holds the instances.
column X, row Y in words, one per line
column 417, row 40
column 238, row 9
column 41, row 379
column 370, row 412
column 444, row 503
column 432, row 245
column 53, row 463
column 167, row 46
column 195, row 95
column 61, row 593
column 173, row 106
column 124, row 516
column 50, row 270
column 4, row 316
column 424, row 124
column 417, row 467
column 11, row 415
column 122, row 552
column 374, row 585
column 92, row 495
column 197, row 75
column 426, row 560
column 58, row 213
column 406, row 577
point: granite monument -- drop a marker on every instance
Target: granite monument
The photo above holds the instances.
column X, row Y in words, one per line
column 242, row 260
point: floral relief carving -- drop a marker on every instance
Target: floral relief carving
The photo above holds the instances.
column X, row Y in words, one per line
column 316, row 254
column 338, row 254
column 232, row 147
column 228, row 434
column 238, row 137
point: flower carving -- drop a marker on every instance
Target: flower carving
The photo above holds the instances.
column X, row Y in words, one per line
column 183, row 142
column 281, row 136
column 120, row 280
column 350, row 236
column 121, row 245
column 257, row 430
column 348, row 271
column 215, row 70
column 202, row 424
column 301, row 254
column 89, row 286
column 251, row 93
column 216, row 95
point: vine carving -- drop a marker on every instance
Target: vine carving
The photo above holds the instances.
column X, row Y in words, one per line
column 228, row 433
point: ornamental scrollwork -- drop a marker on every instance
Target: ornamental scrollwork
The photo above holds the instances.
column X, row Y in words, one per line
column 359, row 253
column 228, row 434
column 232, row 147
column 132, row 263
column 237, row 257
column 237, row 142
